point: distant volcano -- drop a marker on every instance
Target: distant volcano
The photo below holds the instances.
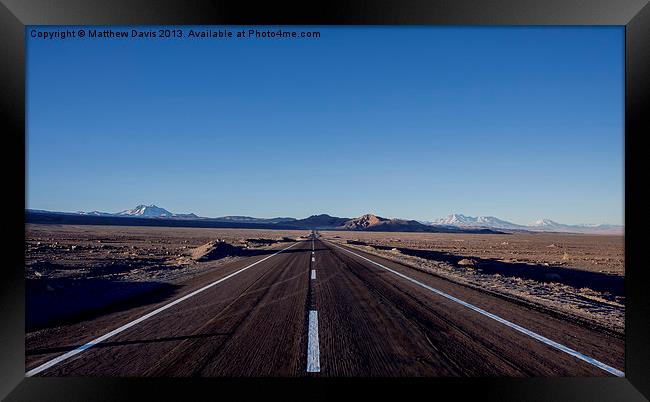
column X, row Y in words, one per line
column 151, row 211
column 147, row 210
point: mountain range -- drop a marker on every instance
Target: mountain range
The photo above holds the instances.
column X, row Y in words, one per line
column 454, row 223
column 540, row 225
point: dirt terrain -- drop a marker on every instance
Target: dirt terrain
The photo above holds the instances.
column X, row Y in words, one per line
column 578, row 275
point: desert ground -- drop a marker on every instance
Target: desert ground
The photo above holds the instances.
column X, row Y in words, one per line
column 83, row 281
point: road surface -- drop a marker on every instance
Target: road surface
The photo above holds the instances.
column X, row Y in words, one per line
column 317, row 309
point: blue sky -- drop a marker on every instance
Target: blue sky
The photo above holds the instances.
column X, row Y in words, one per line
column 411, row 122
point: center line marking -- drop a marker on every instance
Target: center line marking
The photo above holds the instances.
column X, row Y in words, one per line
column 313, row 351
column 313, row 274
column 128, row 325
column 503, row 321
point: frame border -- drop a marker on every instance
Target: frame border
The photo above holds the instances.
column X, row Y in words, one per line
column 633, row 14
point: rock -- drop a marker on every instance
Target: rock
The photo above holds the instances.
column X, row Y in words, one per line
column 213, row 250
column 467, row 262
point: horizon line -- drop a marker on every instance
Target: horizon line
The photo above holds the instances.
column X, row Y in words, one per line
column 335, row 215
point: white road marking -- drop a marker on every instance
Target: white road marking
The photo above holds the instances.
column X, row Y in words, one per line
column 516, row 327
column 313, row 259
column 128, row 325
column 313, row 274
column 313, row 351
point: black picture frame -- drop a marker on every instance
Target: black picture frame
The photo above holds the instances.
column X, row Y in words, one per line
column 16, row 14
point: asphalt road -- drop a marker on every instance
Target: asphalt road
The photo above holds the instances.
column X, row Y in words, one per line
column 326, row 312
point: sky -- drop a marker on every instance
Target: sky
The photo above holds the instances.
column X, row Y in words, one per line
column 520, row 123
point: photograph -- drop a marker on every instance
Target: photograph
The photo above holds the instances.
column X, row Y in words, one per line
column 252, row 201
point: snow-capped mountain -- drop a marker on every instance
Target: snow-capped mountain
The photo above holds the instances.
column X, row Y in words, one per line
column 454, row 219
column 547, row 225
column 150, row 211
column 540, row 225
column 142, row 211
column 95, row 213
column 461, row 220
